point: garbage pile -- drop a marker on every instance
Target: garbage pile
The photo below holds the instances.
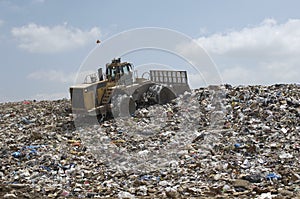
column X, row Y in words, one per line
column 215, row 142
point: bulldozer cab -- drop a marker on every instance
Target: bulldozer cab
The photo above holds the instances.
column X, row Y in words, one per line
column 116, row 70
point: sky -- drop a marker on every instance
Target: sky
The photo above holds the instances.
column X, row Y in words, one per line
column 44, row 43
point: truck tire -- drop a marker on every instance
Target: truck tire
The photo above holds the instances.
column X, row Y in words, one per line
column 123, row 106
column 159, row 94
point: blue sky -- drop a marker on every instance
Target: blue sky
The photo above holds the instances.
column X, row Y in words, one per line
column 43, row 42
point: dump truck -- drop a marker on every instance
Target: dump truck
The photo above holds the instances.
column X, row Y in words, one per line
column 118, row 91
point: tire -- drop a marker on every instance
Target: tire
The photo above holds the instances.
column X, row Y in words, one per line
column 123, row 106
column 158, row 94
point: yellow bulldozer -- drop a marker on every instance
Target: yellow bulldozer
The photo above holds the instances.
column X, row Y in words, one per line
column 119, row 91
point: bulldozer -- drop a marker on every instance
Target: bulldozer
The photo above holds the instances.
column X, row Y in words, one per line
column 118, row 91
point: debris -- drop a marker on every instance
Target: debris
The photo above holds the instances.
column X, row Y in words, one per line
column 215, row 142
column 273, row 176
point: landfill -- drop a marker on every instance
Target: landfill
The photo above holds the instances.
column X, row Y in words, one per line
column 213, row 142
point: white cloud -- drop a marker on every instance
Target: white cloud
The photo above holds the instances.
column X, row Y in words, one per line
column 264, row 54
column 50, row 96
column 44, row 39
column 38, row 1
column 52, row 76
column 269, row 38
column 1, row 22
column 59, row 76
column 1, row 34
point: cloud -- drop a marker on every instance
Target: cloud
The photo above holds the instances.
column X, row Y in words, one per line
column 58, row 76
column 1, row 22
column 38, row 1
column 1, row 33
column 263, row 54
column 52, row 76
column 56, row 80
column 50, row 96
column 269, row 38
column 44, row 39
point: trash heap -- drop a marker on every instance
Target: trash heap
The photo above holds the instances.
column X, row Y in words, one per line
column 215, row 142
